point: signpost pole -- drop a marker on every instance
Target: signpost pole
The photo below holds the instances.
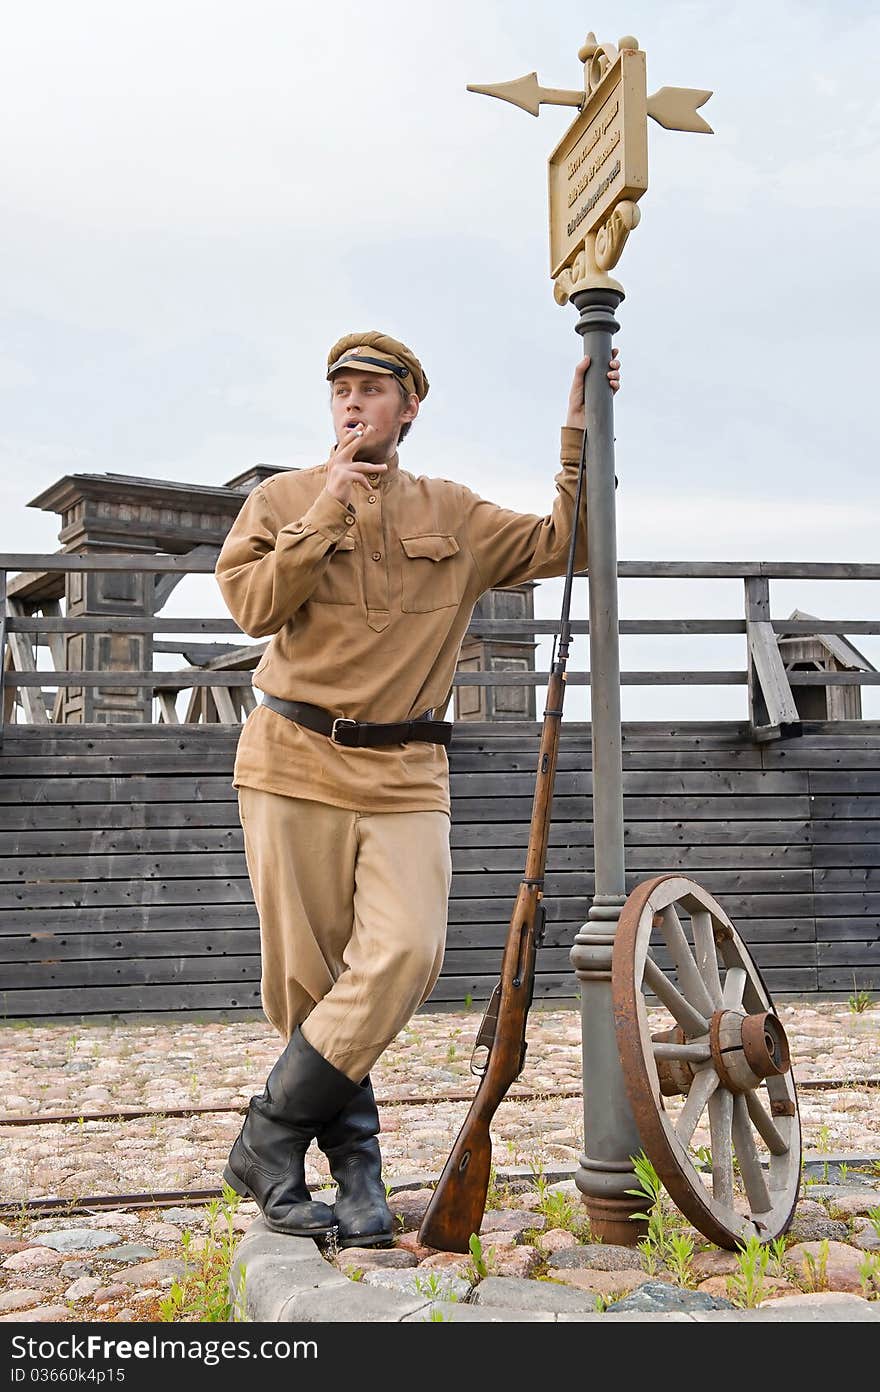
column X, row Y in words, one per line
column 597, row 173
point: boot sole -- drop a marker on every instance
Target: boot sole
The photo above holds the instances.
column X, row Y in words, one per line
column 377, row 1240
column 232, row 1179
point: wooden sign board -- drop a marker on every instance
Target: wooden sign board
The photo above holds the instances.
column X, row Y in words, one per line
column 601, row 159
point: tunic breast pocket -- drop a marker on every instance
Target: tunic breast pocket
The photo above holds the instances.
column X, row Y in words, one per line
column 340, row 583
column 432, row 577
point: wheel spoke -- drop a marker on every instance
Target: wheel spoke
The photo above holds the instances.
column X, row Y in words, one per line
column 720, row 1131
column 691, row 1021
column 685, row 1053
column 734, row 986
column 690, row 980
column 765, row 1125
column 707, row 958
column 747, row 1155
column 701, row 1089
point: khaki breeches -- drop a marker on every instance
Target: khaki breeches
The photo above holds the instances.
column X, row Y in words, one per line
column 352, row 909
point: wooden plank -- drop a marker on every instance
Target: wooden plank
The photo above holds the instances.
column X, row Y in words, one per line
column 47, row 869
column 842, row 830
column 204, row 741
column 638, row 783
column 845, row 808
column 85, row 893
column 4, row 655
column 40, row 948
column 739, row 907
column 177, row 760
column 841, row 979
column 121, row 623
column 636, row 833
column 857, row 955
column 125, row 789
column 642, row 809
column 58, row 1003
column 498, row 763
column 565, row 884
column 63, row 562
column 847, row 878
column 694, row 570
column 848, row 781
column 186, row 677
column 120, row 815
column 687, row 860
column 850, row 929
column 789, row 755
column 86, row 976
column 154, row 841
column 867, row 854
column 771, row 701
column 33, row 701
column 154, row 918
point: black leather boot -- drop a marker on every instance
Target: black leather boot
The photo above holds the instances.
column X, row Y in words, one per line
column 351, row 1145
column 303, row 1092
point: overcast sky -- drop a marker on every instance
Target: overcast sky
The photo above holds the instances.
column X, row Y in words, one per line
column 199, row 198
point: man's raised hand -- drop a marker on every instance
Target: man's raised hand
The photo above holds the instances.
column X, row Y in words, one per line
column 576, row 417
column 344, row 472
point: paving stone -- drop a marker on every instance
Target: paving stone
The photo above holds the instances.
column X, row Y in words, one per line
column 163, row 1269
column 79, row 1239
column 44, row 1314
column 599, row 1256
column 437, row 1285
column 857, row 1204
column 521, row 1260
column 410, row 1205
column 866, row 1238
column 512, row 1220
column 714, row 1263
column 374, row 1259
column 657, row 1296
column 129, row 1252
column 608, row 1282
column 409, row 1242
column 556, row 1240
column 514, row 1292
column 83, row 1288
column 32, row 1259
column 841, row 1264
column 815, row 1229
column 18, row 1299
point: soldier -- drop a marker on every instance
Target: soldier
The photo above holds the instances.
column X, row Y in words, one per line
column 365, row 576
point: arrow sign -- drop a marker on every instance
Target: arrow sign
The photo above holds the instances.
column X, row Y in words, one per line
column 527, row 93
column 675, row 108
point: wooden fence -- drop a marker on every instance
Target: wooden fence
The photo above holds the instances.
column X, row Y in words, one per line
column 123, row 887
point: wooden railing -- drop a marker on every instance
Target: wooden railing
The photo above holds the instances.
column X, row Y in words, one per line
column 218, row 676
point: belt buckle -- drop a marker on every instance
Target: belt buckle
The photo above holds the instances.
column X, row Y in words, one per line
column 341, row 721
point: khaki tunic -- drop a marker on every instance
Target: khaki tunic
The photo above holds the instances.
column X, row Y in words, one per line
column 367, row 605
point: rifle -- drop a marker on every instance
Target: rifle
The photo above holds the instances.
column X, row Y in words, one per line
column 457, row 1205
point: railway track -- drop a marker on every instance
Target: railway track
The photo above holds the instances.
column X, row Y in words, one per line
column 170, row 1198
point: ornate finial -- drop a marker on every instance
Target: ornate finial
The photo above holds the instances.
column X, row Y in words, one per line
column 628, row 43
column 588, row 47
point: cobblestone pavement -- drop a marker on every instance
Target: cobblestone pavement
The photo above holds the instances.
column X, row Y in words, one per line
column 164, row 1065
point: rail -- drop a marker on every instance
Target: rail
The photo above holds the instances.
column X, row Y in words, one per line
column 218, row 676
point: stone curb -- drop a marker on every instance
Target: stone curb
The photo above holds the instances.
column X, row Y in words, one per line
column 280, row 1280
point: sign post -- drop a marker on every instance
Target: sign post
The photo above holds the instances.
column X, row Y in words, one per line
column 597, row 172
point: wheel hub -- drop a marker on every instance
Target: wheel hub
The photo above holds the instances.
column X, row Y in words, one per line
column 746, row 1049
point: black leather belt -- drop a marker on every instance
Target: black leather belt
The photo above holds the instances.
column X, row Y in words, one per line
column 361, row 734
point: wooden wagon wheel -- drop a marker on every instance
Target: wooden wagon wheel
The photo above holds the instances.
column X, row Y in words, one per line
column 726, row 1055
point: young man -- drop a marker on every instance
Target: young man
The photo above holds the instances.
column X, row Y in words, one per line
column 365, row 575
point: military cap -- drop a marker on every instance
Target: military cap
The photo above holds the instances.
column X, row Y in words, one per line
column 378, row 352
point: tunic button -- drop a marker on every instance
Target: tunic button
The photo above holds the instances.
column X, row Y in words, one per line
column 372, row 498
column 377, row 555
column 374, row 478
column 349, row 521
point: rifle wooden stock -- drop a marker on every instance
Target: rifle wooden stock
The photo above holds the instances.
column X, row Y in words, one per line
column 459, row 1200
